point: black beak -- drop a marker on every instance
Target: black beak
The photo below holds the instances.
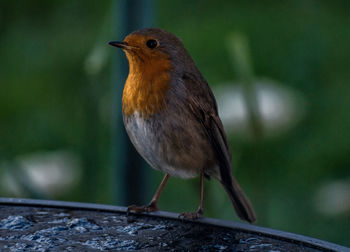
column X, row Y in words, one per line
column 119, row 44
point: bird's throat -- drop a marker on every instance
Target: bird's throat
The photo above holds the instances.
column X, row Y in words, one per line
column 146, row 87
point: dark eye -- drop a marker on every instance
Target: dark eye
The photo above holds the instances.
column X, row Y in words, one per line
column 151, row 43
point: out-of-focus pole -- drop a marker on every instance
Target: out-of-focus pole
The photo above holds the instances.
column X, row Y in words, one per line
column 129, row 174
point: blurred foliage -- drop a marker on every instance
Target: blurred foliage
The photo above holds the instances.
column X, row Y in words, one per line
column 48, row 101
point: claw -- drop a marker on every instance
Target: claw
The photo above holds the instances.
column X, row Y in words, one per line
column 140, row 209
column 191, row 215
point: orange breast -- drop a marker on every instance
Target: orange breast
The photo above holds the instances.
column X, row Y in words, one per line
column 146, row 86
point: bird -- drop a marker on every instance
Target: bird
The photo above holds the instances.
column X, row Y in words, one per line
column 171, row 116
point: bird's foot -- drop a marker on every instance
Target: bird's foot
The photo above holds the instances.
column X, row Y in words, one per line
column 192, row 215
column 141, row 209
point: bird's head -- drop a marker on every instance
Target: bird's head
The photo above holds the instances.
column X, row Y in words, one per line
column 153, row 48
column 156, row 61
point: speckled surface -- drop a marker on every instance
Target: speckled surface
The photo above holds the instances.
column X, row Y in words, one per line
column 24, row 228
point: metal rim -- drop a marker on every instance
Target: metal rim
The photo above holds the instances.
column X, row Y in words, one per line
column 248, row 228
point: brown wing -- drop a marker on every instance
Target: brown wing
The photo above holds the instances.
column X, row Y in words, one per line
column 203, row 105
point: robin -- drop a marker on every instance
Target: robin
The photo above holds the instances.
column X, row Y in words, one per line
column 171, row 117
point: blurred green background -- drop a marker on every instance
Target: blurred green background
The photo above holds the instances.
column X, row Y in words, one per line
column 57, row 107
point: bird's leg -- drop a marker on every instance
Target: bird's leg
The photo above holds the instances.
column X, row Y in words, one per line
column 152, row 206
column 154, row 201
column 200, row 211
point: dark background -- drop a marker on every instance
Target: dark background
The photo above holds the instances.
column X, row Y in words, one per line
column 56, row 105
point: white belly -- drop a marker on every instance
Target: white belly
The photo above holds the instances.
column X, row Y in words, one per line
column 148, row 139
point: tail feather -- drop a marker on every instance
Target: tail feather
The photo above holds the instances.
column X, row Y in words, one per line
column 220, row 146
column 240, row 201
